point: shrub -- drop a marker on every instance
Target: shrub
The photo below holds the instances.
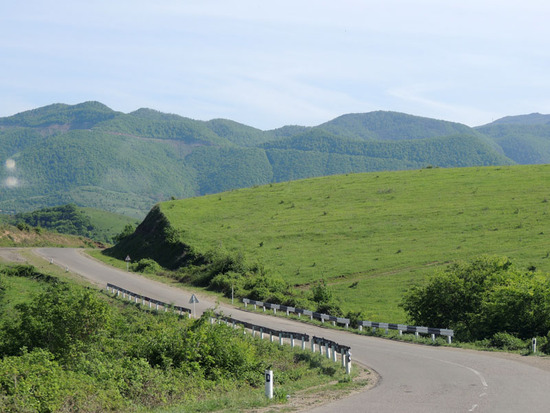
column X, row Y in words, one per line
column 483, row 297
column 507, row 341
column 146, row 266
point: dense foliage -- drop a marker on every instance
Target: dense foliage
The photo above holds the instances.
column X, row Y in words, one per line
column 67, row 348
column 67, row 219
column 483, row 297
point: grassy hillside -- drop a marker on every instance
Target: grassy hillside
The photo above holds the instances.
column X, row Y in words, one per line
column 371, row 236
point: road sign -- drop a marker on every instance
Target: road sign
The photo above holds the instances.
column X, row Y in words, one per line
column 194, row 300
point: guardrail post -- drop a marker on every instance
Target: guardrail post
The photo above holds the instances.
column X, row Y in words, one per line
column 327, row 350
column 312, row 345
column 433, row 338
column 449, row 339
column 280, row 338
column 253, row 332
column 269, row 384
column 271, row 336
column 534, row 342
column 348, row 362
column 333, row 354
column 360, row 327
column 261, row 333
column 291, row 341
column 264, row 308
column 343, row 355
column 274, row 311
column 303, row 342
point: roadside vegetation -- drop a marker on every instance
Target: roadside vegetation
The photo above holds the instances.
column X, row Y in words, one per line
column 69, row 348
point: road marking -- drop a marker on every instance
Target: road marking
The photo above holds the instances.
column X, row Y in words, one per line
column 473, row 408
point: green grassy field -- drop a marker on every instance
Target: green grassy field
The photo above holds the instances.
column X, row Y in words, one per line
column 371, row 236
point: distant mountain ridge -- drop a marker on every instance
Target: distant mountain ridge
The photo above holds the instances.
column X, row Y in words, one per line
column 93, row 156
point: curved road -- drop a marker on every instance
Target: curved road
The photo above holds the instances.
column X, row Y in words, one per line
column 414, row 378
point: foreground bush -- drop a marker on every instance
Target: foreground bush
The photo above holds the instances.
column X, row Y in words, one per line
column 71, row 349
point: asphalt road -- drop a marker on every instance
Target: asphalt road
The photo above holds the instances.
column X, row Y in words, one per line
column 414, row 378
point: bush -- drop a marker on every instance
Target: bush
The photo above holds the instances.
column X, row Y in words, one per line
column 146, row 266
column 507, row 341
column 481, row 298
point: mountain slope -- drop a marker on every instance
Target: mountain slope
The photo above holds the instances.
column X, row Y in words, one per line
column 382, row 125
column 90, row 155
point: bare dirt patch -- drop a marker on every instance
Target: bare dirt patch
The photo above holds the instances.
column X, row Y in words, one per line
column 318, row 396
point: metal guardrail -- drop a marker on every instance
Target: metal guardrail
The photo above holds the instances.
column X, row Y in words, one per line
column 330, row 346
column 402, row 328
column 325, row 317
column 151, row 301
column 311, row 314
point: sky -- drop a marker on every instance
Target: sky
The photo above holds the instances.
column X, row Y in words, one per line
column 270, row 64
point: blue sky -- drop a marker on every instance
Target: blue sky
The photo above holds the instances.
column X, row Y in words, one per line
column 269, row 64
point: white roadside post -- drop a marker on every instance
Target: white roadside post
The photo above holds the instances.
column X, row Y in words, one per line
column 269, row 384
column 348, row 362
column 534, row 345
column 127, row 259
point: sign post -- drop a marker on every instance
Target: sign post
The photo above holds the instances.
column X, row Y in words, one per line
column 194, row 300
column 127, row 262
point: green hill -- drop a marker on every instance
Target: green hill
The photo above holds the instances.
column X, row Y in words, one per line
column 91, row 223
column 524, row 143
column 369, row 236
column 383, row 125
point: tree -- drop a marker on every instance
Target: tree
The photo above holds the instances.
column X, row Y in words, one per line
column 482, row 297
column 126, row 232
column 61, row 319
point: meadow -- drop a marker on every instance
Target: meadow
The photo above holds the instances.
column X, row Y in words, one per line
column 372, row 236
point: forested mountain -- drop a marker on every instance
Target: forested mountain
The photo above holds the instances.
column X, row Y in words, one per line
column 525, row 139
column 91, row 155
